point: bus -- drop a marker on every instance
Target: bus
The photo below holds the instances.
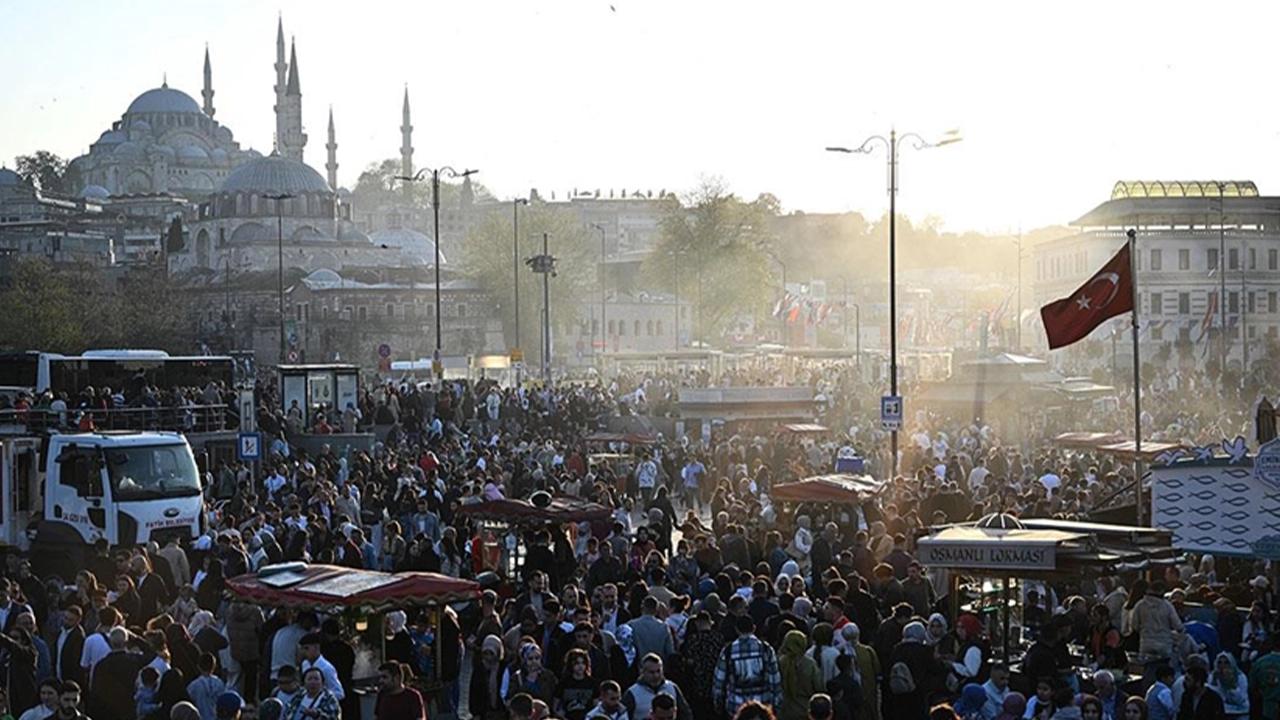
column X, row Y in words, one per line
column 116, row 369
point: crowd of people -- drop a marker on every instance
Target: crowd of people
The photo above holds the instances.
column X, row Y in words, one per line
column 699, row 598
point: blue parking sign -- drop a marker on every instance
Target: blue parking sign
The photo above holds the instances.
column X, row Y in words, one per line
column 249, row 446
column 891, row 412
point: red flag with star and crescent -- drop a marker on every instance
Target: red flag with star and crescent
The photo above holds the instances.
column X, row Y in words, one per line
column 1107, row 294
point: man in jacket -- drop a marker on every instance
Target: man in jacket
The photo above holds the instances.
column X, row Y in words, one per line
column 1155, row 620
column 69, row 646
column 1199, row 702
column 650, row 634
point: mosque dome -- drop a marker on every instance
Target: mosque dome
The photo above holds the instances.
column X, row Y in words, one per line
column 9, row 178
column 129, row 149
column 192, row 152
column 112, row 137
column 274, row 174
column 94, row 192
column 407, row 240
column 163, row 99
column 140, row 125
column 164, row 151
column 218, row 155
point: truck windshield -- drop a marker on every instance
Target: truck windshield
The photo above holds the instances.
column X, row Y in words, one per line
column 148, row 472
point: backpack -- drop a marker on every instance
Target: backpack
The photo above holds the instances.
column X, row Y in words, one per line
column 901, row 681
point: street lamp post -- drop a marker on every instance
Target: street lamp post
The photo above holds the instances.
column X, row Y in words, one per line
column 892, row 144
column 278, row 198
column 515, row 269
column 435, row 173
column 545, row 265
column 604, row 336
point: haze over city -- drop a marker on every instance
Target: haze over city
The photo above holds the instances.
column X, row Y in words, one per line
column 1055, row 103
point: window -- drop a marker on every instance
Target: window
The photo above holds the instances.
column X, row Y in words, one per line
column 1184, row 259
column 1272, row 258
column 391, row 310
column 1249, row 301
column 1157, row 302
column 364, row 313
column 1184, row 303
column 1233, row 302
column 1253, row 258
column 462, row 311
column 1211, row 259
column 1156, row 261
column 1233, row 258
column 1271, row 302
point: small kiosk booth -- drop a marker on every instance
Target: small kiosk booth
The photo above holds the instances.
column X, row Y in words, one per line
column 360, row 598
column 1008, row 549
column 498, row 524
column 859, row 494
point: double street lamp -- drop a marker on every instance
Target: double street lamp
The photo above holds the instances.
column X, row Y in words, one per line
column 892, row 144
column 435, row 173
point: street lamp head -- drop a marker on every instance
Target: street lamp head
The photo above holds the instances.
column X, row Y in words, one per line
column 949, row 140
column 839, row 149
column 521, row 201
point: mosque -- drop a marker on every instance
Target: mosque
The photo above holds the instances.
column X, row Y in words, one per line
column 167, row 145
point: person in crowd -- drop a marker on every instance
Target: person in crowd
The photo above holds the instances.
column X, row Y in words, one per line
column 1199, row 701
column 1231, row 685
column 316, row 701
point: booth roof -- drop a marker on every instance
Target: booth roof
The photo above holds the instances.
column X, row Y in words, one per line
column 840, row 488
column 329, row 587
column 561, row 510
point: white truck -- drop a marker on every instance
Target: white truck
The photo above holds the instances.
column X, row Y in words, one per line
column 61, row 493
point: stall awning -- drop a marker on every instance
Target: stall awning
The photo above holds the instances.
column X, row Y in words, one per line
column 561, row 510
column 1086, row 440
column 975, row 548
column 333, row 588
column 842, row 488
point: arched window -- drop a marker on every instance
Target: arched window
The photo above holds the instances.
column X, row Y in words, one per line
column 253, row 204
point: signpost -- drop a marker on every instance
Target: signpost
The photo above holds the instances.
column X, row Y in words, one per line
column 249, row 446
column 891, row 413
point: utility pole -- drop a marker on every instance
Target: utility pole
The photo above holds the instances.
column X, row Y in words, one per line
column 545, row 265
column 278, row 198
column 515, row 271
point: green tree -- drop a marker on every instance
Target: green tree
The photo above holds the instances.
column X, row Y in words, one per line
column 489, row 256
column 44, row 309
column 712, row 244
column 44, row 171
column 151, row 311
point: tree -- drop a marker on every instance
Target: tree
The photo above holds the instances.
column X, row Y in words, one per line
column 151, row 311
column 380, row 186
column 711, row 246
column 488, row 256
column 44, row 171
column 44, row 309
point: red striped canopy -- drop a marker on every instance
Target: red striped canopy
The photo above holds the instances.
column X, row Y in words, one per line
column 333, row 588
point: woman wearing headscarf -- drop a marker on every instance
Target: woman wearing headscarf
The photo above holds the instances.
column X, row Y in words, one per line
column 205, row 634
column 913, row 658
column 489, row 681
column 532, row 676
column 972, row 653
column 866, row 665
column 399, row 644
column 1232, row 685
column 1015, row 705
column 824, row 652
column 801, row 677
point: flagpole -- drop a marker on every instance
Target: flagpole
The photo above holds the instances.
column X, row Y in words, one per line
column 1137, row 381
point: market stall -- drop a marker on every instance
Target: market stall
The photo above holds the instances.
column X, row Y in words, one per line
column 1006, row 549
column 361, row 598
column 857, row 493
column 498, row 524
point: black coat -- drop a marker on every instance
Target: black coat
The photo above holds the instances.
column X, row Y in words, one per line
column 67, row 664
column 929, row 674
column 1209, row 707
column 111, row 692
column 21, row 660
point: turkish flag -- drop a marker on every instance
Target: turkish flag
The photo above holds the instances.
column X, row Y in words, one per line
column 1107, row 294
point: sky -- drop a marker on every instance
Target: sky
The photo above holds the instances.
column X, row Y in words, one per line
column 1055, row 101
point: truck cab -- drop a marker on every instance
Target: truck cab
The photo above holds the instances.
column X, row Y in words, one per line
column 127, row 488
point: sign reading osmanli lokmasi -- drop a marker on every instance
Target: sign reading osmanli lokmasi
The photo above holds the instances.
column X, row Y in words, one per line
column 989, row 556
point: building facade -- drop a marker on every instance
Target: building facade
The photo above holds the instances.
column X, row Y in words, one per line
column 1207, row 258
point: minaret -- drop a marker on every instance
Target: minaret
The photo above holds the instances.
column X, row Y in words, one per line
column 406, row 141
column 281, row 70
column 208, row 84
column 332, row 147
column 294, row 141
